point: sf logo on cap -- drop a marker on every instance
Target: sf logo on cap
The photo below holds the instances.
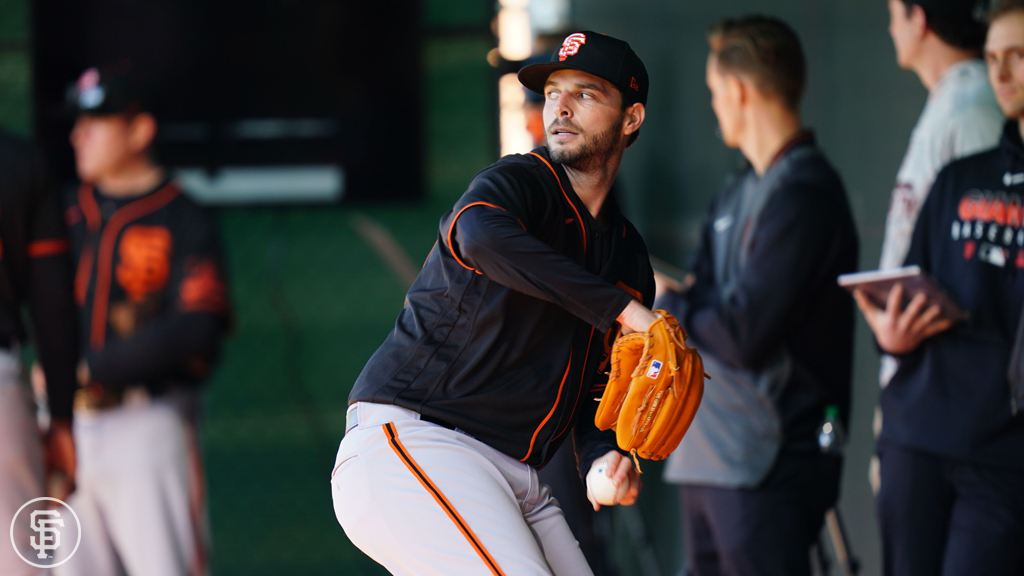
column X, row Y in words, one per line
column 571, row 45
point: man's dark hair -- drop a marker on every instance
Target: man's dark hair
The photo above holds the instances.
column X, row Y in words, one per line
column 960, row 24
column 764, row 49
column 1004, row 7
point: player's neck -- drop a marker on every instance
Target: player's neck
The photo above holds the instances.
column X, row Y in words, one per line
column 593, row 185
column 936, row 59
column 135, row 178
column 770, row 128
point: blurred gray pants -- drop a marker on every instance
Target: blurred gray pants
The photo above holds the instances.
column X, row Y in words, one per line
column 421, row 499
column 138, row 492
column 21, row 460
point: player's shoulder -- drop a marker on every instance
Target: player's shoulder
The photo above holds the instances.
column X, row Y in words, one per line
column 183, row 210
column 533, row 167
column 184, row 201
column 979, row 169
column 814, row 173
column 524, row 181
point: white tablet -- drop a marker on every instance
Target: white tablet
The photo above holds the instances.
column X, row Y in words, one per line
column 877, row 284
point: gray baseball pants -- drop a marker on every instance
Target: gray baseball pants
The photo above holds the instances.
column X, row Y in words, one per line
column 21, row 460
column 421, row 499
column 139, row 492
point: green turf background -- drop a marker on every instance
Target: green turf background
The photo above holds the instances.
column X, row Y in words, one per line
column 313, row 302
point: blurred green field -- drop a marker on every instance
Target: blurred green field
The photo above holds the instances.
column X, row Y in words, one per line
column 313, row 301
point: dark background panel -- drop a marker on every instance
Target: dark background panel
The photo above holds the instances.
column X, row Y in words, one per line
column 353, row 69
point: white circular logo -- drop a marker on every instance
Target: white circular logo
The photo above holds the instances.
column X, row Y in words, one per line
column 41, row 532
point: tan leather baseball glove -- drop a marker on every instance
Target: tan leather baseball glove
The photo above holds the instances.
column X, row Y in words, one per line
column 654, row 388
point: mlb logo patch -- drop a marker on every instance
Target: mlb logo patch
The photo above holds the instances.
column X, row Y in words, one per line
column 655, row 370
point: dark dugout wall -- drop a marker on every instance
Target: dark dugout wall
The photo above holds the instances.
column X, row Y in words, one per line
column 861, row 106
column 251, row 83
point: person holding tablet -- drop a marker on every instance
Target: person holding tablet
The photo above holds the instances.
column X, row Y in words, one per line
column 951, row 449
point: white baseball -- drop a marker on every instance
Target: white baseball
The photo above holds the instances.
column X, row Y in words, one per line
column 599, row 485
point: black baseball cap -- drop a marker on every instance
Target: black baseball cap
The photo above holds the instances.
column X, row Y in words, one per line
column 101, row 92
column 603, row 56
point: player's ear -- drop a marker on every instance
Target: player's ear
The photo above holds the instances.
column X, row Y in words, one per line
column 142, row 131
column 634, row 117
column 736, row 89
column 918, row 21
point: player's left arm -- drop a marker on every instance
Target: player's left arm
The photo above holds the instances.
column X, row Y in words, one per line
column 51, row 303
column 183, row 343
column 54, row 318
column 592, row 445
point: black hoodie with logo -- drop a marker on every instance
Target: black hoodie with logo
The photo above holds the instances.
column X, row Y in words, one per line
column 951, row 395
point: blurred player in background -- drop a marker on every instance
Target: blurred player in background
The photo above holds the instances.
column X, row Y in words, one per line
column 940, row 41
column 951, row 448
column 498, row 355
column 763, row 308
column 34, row 270
column 153, row 307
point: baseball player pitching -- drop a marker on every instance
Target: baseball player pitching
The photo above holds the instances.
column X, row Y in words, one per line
column 499, row 353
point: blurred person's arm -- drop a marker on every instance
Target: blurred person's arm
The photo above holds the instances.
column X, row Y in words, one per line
column 900, row 330
column 791, row 257
column 51, row 300
column 675, row 298
column 182, row 344
column 54, row 319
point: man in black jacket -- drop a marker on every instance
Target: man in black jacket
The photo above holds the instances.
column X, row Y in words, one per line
column 499, row 353
column 951, row 450
column 763, row 308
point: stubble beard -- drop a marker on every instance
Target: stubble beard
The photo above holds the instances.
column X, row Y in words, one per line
column 593, row 154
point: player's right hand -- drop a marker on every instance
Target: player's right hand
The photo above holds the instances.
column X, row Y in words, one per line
column 619, row 468
column 901, row 330
column 635, row 317
column 60, row 459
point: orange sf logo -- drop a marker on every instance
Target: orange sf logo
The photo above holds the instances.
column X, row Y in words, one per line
column 571, row 45
column 144, row 265
column 202, row 290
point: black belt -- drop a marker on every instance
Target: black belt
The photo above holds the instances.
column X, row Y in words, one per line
column 438, row 421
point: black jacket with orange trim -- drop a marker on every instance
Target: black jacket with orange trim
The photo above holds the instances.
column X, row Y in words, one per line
column 150, row 287
column 35, row 270
column 508, row 327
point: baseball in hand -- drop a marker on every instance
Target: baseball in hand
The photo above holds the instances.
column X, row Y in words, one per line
column 599, row 485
